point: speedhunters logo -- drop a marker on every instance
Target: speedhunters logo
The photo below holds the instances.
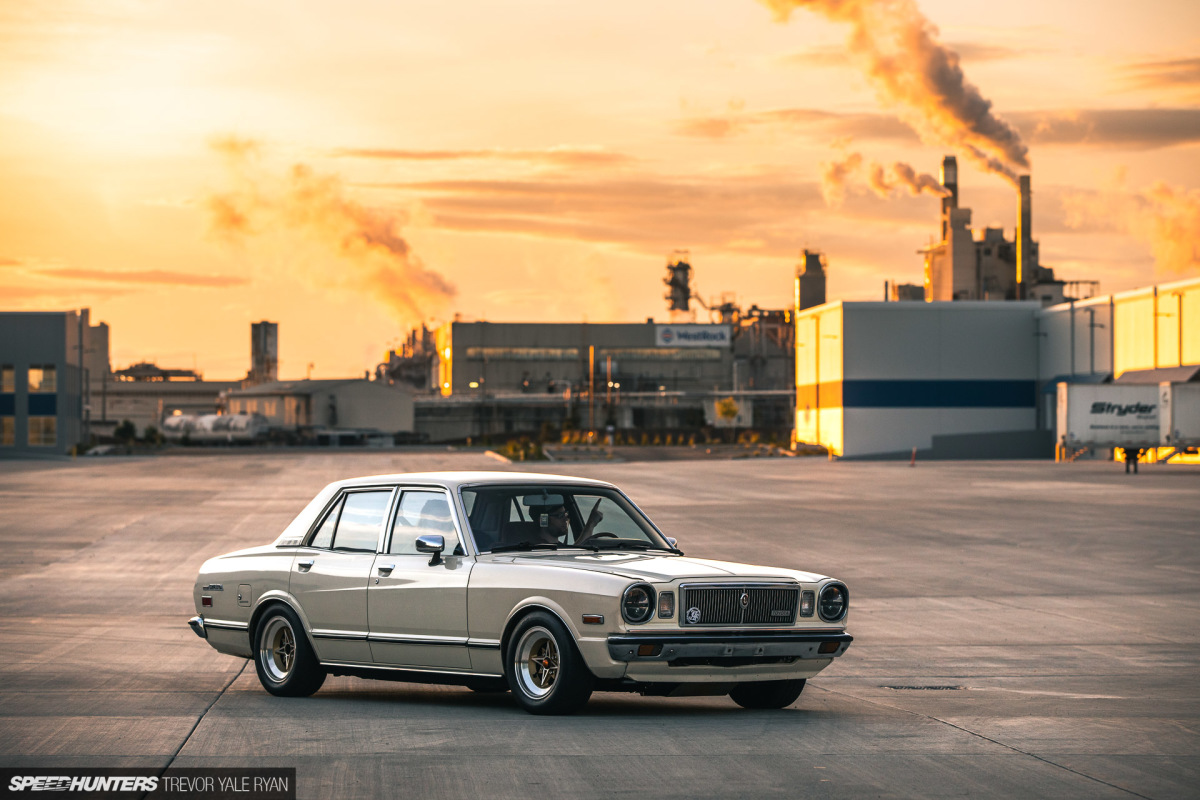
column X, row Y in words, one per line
column 251, row 783
column 91, row 783
column 1138, row 409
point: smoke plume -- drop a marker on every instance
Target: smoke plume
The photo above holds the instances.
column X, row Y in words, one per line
column 1165, row 217
column 903, row 176
column 884, row 181
column 834, row 177
column 371, row 255
column 914, row 72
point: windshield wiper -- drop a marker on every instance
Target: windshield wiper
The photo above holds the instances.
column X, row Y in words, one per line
column 502, row 548
column 627, row 544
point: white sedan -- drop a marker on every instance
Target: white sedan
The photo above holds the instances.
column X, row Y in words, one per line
column 547, row 586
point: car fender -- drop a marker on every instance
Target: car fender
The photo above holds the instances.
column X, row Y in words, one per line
column 286, row 598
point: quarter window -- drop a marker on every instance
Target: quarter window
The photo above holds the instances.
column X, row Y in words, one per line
column 43, row 431
column 42, row 379
column 361, row 520
column 324, row 537
column 421, row 514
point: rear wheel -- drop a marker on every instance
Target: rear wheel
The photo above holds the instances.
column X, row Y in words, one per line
column 544, row 669
column 767, row 694
column 283, row 658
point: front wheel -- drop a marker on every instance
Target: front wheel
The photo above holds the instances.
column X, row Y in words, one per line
column 283, row 658
column 545, row 671
column 767, row 694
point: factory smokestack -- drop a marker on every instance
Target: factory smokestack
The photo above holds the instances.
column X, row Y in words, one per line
column 1025, row 265
column 950, row 200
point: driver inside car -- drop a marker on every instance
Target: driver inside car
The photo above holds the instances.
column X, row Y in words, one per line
column 554, row 523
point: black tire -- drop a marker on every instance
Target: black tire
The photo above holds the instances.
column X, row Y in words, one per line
column 544, row 669
column 767, row 694
column 283, row 658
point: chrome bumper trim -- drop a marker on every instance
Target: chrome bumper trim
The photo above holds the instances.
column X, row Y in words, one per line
column 226, row 624
column 672, row 646
column 197, row 625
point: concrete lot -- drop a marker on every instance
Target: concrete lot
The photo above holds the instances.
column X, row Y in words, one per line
column 1055, row 604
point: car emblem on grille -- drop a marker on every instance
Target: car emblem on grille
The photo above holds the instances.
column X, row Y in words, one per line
column 693, row 615
column 745, row 599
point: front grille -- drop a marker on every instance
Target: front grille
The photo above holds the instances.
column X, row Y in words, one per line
column 706, row 604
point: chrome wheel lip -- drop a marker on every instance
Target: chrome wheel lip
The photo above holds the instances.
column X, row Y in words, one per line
column 537, row 662
column 277, row 649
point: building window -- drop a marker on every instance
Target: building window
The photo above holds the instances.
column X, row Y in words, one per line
column 662, row 353
column 8, row 379
column 8, row 431
column 42, row 380
column 269, row 407
column 524, row 353
column 43, row 431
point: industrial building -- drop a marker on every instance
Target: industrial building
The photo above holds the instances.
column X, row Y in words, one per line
column 973, row 379
column 504, row 378
column 983, row 265
column 477, row 379
column 264, row 353
column 42, row 382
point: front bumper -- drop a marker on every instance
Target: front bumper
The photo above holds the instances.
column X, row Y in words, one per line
column 753, row 646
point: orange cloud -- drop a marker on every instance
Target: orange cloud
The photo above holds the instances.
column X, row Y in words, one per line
column 1179, row 74
column 150, row 276
column 651, row 215
column 555, row 156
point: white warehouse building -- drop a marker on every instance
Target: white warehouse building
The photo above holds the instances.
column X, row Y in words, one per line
column 977, row 379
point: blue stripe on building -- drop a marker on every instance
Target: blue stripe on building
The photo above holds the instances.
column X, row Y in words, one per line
column 8, row 404
column 43, row 405
column 938, row 394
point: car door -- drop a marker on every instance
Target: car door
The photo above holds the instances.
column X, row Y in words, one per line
column 330, row 575
column 417, row 610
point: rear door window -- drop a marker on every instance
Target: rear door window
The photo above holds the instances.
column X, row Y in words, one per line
column 361, row 520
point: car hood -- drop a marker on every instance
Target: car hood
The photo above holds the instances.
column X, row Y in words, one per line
column 660, row 568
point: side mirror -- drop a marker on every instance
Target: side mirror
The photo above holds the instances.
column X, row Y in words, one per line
column 433, row 543
column 671, row 541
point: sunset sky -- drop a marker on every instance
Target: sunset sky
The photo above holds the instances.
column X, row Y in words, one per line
column 349, row 170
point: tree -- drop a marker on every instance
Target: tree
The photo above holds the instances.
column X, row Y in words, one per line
column 126, row 432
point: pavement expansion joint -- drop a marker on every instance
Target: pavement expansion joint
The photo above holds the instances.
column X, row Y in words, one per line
column 204, row 714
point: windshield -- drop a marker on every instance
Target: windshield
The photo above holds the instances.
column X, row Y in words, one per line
column 548, row 516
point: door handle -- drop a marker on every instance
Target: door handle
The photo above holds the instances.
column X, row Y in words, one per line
column 304, row 566
column 386, row 569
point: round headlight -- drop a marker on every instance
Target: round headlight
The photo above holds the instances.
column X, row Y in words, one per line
column 637, row 605
column 833, row 603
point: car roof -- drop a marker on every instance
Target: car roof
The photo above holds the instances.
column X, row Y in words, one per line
column 454, row 480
